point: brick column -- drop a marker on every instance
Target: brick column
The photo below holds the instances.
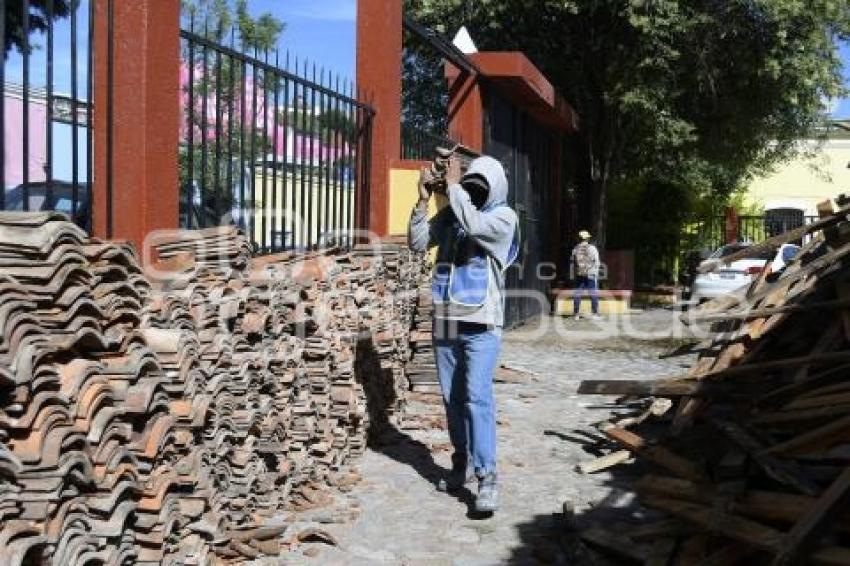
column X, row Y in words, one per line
column 379, row 45
column 731, row 225
column 144, row 113
column 466, row 108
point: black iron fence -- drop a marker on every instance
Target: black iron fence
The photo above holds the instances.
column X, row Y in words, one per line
column 281, row 155
column 774, row 222
column 674, row 260
column 419, row 144
column 45, row 106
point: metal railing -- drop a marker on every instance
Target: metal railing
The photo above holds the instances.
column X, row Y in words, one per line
column 283, row 156
column 675, row 260
column 754, row 229
column 420, row 145
column 45, row 106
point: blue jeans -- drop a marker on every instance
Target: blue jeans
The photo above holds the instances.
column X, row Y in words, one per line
column 466, row 356
column 591, row 284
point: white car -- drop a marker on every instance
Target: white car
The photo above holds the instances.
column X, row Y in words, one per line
column 716, row 279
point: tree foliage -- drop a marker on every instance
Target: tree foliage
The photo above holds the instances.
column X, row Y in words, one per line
column 700, row 92
column 216, row 19
column 221, row 20
column 13, row 17
column 425, row 94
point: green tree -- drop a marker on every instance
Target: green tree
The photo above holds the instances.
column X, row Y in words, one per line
column 38, row 19
column 334, row 121
column 217, row 20
column 702, row 92
column 425, row 94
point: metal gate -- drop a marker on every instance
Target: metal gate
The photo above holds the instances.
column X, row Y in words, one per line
column 282, row 153
column 46, row 93
column 525, row 148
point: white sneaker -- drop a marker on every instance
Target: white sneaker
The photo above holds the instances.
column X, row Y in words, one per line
column 576, row 317
column 595, row 317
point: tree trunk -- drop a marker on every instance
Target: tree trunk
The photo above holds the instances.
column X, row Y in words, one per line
column 592, row 183
column 600, row 211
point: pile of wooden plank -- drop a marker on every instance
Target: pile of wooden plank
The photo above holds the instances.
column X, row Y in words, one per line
column 746, row 458
column 173, row 418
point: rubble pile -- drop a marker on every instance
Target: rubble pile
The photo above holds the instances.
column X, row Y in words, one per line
column 176, row 416
column 746, row 457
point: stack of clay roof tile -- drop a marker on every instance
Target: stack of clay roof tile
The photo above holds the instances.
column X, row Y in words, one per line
column 325, row 336
column 216, row 248
column 746, row 458
column 173, row 421
column 91, row 457
column 421, row 370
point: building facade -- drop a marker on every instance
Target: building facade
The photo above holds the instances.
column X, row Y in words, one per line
column 820, row 172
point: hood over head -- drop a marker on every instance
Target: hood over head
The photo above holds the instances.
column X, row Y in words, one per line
column 493, row 172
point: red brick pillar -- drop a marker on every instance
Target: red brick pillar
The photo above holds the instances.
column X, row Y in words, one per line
column 136, row 126
column 466, row 108
column 379, row 45
column 731, row 225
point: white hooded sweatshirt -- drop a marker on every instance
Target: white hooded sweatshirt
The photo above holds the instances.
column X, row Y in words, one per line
column 494, row 228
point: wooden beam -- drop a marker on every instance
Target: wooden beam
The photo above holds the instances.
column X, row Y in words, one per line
column 786, row 416
column 692, row 550
column 807, row 530
column 664, row 388
column 783, row 394
column 729, row 555
column 814, row 440
column 613, row 543
column 672, row 387
column 763, row 505
column 719, row 522
column 752, row 314
column 683, row 385
column 604, row 462
column 843, row 291
column 656, row 454
column 662, row 550
column 746, row 531
column 782, row 471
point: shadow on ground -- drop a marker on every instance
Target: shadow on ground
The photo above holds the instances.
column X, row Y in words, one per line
column 402, row 448
column 554, row 539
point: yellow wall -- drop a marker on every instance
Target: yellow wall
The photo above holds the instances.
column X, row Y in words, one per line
column 607, row 305
column 403, row 196
column 806, row 180
column 323, row 196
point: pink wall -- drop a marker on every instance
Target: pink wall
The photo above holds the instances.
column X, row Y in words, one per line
column 295, row 147
column 13, row 151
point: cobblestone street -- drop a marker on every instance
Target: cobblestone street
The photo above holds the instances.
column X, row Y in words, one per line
column 403, row 520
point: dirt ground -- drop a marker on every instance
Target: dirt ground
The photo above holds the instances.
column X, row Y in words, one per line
column 401, row 519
